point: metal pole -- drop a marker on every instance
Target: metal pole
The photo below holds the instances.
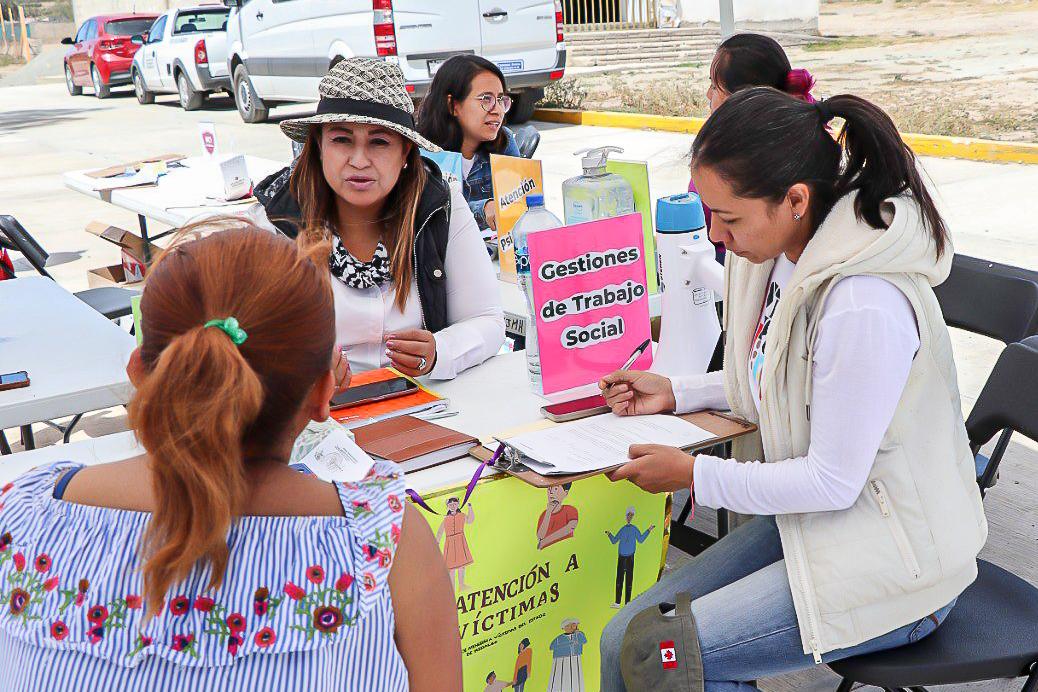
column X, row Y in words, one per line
column 727, row 18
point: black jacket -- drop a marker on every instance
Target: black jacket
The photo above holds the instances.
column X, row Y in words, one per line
column 430, row 251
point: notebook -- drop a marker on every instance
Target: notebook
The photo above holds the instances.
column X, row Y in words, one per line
column 424, row 400
column 413, row 443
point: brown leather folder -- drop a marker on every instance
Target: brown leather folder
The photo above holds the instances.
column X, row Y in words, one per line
column 413, row 443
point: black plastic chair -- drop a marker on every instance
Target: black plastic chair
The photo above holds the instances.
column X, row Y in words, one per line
column 995, row 300
column 526, row 138
column 112, row 302
column 992, row 632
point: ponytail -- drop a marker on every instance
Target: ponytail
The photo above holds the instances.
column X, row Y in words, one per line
column 214, row 402
column 191, row 422
column 763, row 142
column 879, row 165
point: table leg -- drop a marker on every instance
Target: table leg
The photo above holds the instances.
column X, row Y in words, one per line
column 143, row 223
column 722, row 523
column 4, row 447
column 28, row 441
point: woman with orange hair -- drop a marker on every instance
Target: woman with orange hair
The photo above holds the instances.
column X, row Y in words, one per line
column 208, row 563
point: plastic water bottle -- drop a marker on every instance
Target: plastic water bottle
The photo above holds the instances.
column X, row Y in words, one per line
column 535, row 218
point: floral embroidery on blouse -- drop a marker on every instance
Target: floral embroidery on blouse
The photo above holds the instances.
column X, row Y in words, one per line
column 70, row 608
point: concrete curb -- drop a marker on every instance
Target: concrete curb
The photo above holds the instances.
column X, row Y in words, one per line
column 924, row 145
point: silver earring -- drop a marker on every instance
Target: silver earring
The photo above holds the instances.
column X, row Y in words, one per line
column 405, row 164
column 796, row 216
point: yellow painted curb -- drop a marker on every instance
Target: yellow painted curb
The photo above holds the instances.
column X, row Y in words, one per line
column 924, row 145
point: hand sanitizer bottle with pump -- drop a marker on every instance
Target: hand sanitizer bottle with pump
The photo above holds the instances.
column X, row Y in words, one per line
column 596, row 194
column 689, row 275
column 535, row 218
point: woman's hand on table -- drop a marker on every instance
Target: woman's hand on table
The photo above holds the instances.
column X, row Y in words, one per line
column 412, row 351
column 656, row 468
column 637, row 393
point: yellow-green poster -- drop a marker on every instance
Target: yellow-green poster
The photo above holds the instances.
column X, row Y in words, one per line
column 539, row 572
column 636, row 173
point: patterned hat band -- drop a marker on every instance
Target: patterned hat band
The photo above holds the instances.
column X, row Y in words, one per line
column 366, row 109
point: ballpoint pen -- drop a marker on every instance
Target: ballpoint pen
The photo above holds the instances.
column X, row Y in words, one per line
column 636, row 355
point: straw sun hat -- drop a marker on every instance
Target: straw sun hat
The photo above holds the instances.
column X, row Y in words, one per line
column 362, row 90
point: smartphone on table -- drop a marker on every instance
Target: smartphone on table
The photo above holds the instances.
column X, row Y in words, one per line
column 14, row 380
column 374, row 391
column 576, row 409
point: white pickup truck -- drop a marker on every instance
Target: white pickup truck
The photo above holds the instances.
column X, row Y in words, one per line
column 184, row 53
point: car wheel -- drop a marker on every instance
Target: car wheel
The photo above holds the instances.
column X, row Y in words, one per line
column 190, row 100
column 101, row 90
column 144, row 96
column 523, row 106
column 73, row 90
column 250, row 107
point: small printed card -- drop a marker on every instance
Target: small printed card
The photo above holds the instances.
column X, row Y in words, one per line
column 327, row 450
column 236, row 180
column 207, row 133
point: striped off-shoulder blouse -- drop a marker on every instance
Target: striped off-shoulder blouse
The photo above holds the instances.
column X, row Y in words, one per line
column 304, row 605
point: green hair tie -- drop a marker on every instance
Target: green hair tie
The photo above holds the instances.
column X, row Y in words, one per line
column 229, row 326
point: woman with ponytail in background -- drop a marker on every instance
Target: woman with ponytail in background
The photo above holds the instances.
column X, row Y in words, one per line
column 868, row 516
column 208, row 563
column 751, row 60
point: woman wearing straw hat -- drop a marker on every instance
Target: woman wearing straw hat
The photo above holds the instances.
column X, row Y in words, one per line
column 414, row 288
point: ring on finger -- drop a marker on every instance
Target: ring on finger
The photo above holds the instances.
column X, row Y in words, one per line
column 422, row 363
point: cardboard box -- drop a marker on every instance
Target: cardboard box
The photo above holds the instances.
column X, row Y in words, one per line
column 135, row 165
column 136, row 253
column 112, row 275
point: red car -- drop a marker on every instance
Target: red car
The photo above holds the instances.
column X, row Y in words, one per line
column 102, row 52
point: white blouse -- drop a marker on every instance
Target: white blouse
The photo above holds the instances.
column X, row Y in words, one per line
column 365, row 317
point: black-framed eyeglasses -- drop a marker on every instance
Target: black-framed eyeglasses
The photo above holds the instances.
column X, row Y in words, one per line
column 487, row 102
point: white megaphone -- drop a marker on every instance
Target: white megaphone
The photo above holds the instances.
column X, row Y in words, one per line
column 689, row 276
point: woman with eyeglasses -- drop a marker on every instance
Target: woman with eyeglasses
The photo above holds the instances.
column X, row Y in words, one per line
column 465, row 112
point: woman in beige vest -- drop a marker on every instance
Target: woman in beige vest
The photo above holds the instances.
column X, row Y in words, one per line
column 868, row 517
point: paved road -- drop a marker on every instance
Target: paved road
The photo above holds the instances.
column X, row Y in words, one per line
column 992, row 208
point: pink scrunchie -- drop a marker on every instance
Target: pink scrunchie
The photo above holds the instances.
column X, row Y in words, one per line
column 799, row 83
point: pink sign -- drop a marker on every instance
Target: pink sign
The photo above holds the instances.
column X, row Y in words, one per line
column 591, row 300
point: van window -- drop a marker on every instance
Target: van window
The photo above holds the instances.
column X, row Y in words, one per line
column 201, row 21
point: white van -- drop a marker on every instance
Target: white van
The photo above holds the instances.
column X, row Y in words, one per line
column 278, row 50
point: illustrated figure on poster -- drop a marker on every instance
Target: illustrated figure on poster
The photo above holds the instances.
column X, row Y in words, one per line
column 567, row 671
column 456, row 551
column 495, row 685
column 558, row 521
column 626, row 541
column 523, row 666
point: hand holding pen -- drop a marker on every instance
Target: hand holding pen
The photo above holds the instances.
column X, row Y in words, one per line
column 637, row 393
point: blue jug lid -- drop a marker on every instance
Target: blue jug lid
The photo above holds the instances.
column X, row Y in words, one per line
column 534, row 200
column 679, row 213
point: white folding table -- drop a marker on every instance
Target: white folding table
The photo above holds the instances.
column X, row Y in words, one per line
column 185, row 193
column 74, row 356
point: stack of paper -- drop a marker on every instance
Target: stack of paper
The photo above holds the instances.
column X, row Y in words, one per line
column 600, row 442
